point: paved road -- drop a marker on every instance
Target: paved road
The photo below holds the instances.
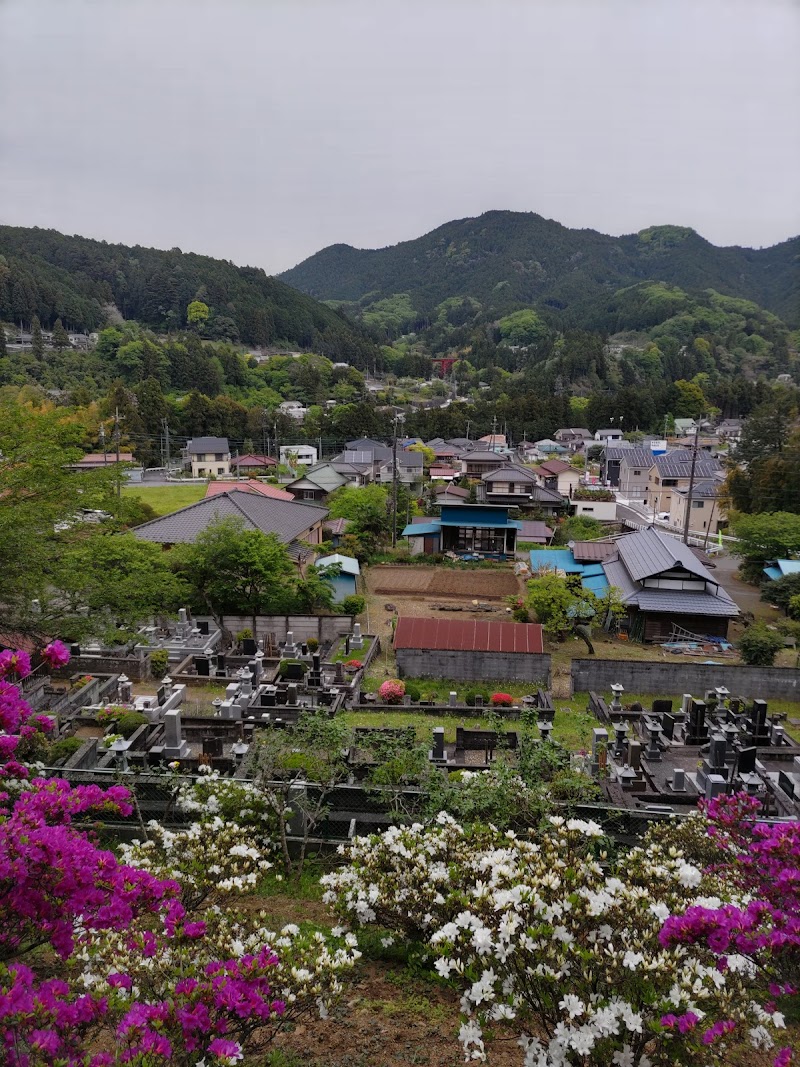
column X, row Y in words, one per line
column 748, row 597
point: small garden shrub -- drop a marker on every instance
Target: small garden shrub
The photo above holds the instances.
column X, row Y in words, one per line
column 283, row 668
column 759, row 645
column 413, row 691
column 158, row 662
column 129, row 723
column 313, row 644
column 502, row 700
column 392, row 691
column 469, row 696
column 353, row 605
column 354, row 665
column 63, row 749
column 244, row 635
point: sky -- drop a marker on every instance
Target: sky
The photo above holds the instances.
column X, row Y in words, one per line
column 260, row 131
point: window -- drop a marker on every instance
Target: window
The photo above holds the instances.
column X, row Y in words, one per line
column 201, row 470
column 637, row 473
column 308, row 494
column 218, row 457
column 698, row 504
column 670, row 481
column 588, row 509
column 220, row 470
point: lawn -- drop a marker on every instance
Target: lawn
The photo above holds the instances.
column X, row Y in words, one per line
column 166, row 498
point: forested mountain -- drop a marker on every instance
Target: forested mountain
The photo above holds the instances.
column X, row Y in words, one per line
column 47, row 274
column 505, row 259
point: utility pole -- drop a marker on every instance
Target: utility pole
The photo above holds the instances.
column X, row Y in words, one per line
column 166, row 443
column 264, row 416
column 394, row 485
column 103, row 443
column 691, row 487
column 494, row 433
column 116, row 436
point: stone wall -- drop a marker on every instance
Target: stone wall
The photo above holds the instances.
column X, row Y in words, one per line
column 677, row 675
column 325, row 628
column 473, row 666
column 137, row 668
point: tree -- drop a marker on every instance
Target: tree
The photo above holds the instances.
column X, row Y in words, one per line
column 522, row 328
column 759, row 645
column 368, row 510
column 690, row 401
column 37, row 343
column 111, row 583
column 234, row 570
column 770, row 535
column 562, row 606
column 782, row 591
column 60, row 336
column 3, row 343
column 428, row 455
column 197, row 313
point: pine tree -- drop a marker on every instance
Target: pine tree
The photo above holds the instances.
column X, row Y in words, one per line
column 60, row 336
column 37, row 343
column 3, row 347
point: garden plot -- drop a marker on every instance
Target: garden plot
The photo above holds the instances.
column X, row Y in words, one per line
column 432, row 582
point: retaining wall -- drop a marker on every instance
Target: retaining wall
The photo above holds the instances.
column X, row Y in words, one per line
column 473, row 666
column 677, row 676
column 137, row 668
column 323, row 627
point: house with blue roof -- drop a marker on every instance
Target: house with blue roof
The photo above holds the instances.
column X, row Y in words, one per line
column 482, row 531
column 341, row 572
column 779, row 568
column 562, row 561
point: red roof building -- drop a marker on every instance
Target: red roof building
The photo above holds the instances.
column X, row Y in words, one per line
column 471, row 649
column 249, row 486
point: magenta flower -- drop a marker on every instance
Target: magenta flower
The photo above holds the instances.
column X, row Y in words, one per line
column 16, row 663
column 56, row 654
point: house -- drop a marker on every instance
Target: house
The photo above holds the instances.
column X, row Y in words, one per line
column 95, row 460
column 307, row 490
column 462, row 444
column 666, row 589
column 289, row 521
column 251, row 463
column 611, row 461
column 518, row 486
column 730, row 430
column 707, row 514
column 409, row 468
column 445, row 491
column 779, row 568
column 593, row 503
column 683, row 427
column 481, row 530
column 547, row 448
column 294, row 409
column 323, row 479
column 481, row 461
column 495, row 442
column 634, row 469
column 574, row 437
column 249, row 486
column 470, row 649
column 673, row 470
column 298, row 455
column 608, row 436
column 559, row 475
column 334, row 530
column 208, row 455
column 345, row 582
column 443, row 474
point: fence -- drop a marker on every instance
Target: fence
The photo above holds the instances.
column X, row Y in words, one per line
column 679, row 676
column 325, row 628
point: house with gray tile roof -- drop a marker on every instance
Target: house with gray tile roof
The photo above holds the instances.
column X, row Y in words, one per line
column 664, row 585
column 634, row 471
column 673, row 471
column 291, row 522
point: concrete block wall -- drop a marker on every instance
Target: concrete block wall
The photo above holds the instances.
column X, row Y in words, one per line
column 473, row 666
column 323, row 627
column 677, row 675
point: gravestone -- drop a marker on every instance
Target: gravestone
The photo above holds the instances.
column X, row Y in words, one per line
column 202, row 666
column 269, row 696
column 662, row 707
column 696, row 729
column 161, row 695
column 453, row 698
column 437, row 752
column 747, row 760
column 786, row 784
column 679, row 780
column 357, row 639
column 338, row 676
column 204, row 627
column 212, row 746
column 249, row 646
column 599, row 745
column 174, row 745
column 635, row 755
column 716, row 786
column 291, row 694
column 668, row 725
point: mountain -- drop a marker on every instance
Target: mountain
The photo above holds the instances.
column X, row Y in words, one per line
column 46, row 273
column 504, row 259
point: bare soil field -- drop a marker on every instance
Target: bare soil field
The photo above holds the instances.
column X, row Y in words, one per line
column 434, row 582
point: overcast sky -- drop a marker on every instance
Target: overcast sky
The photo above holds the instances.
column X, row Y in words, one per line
column 263, row 130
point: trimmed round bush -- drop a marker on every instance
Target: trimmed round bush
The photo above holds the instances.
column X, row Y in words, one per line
column 158, row 662
column 353, row 605
column 471, row 694
column 392, row 691
column 502, row 700
column 413, row 691
column 63, row 749
column 313, row 644
column 129, row 723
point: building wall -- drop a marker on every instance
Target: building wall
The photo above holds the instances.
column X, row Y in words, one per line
column 604, row 510
column 702, row 520
column 631, row 484
column 473, row 666
column 676, row 676
column 323, row 627
column 206, row 463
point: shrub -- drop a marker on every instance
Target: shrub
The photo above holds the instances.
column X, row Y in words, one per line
column 158, row 662
column 469, row 696
column 353, row 605
column 520, row 614
column 63, row 749
column 84, row 680
column 244, row 635
column 129, row 723
column 283, row 667
column 502, row 700
column 759, row 645
column 413, row 691
column 354, row 665
column 110, row 713
column 313, row 644
column 392, row 691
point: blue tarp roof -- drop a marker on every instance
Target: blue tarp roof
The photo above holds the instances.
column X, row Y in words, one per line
column 475, row 515
column 418, row 529
column 773, row 573
column 553, row 559
column 783, row 567
column 597, row 584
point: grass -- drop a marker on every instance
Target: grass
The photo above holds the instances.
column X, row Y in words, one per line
column 354, row 653
column 164, row 499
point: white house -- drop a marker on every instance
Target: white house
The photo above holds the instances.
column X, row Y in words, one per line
column 294, row 409
column 297, row 455
column 602, row 510
column 608, row 436
column 208, row 455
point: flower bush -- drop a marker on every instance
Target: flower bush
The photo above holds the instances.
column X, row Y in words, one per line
column 501, row 700
column 392, row 691
column 152, row 967
column 550, row 938
column 354, row 665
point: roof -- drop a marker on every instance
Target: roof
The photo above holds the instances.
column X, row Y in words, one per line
column 306, row 483
column 495, row 439
column 472, row 635
column 364, row 444
column 250, row 459
column 288, row 520
column 678, row 464
column 420, row 529
column 534, row 530
column 552, row 467
column 523, row 474
column 482, row 455
column 618, row 450
column 706, row 489
column 336, row 526
column 541, row 495
column 207, row 444
column 444, row 472
column 250, row 486
column 650, row 552
column 586, row 551
column 575, row 430
column 347, row 564
column 374, row 454
column 548, row 445
column 637, row 457
column 610, row 431
column 779, row 568
column 478, row 515
column 99, row 459
column 409, row 459
column 554, row 559
column 454, row 491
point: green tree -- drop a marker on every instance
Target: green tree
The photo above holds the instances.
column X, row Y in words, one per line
column 523, row 328
column 60, row 336
column 197, row 313
column 111, row 583
column 428, row 455
column 37, row 342
column 759, row 645
column 234, row 570
column 770, row 535
column 782, row 591
column 3, row 342
column 368, row 509
column 690, row 401
column 562, row 606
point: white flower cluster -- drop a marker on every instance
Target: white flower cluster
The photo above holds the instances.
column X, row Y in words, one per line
column 546, row 933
